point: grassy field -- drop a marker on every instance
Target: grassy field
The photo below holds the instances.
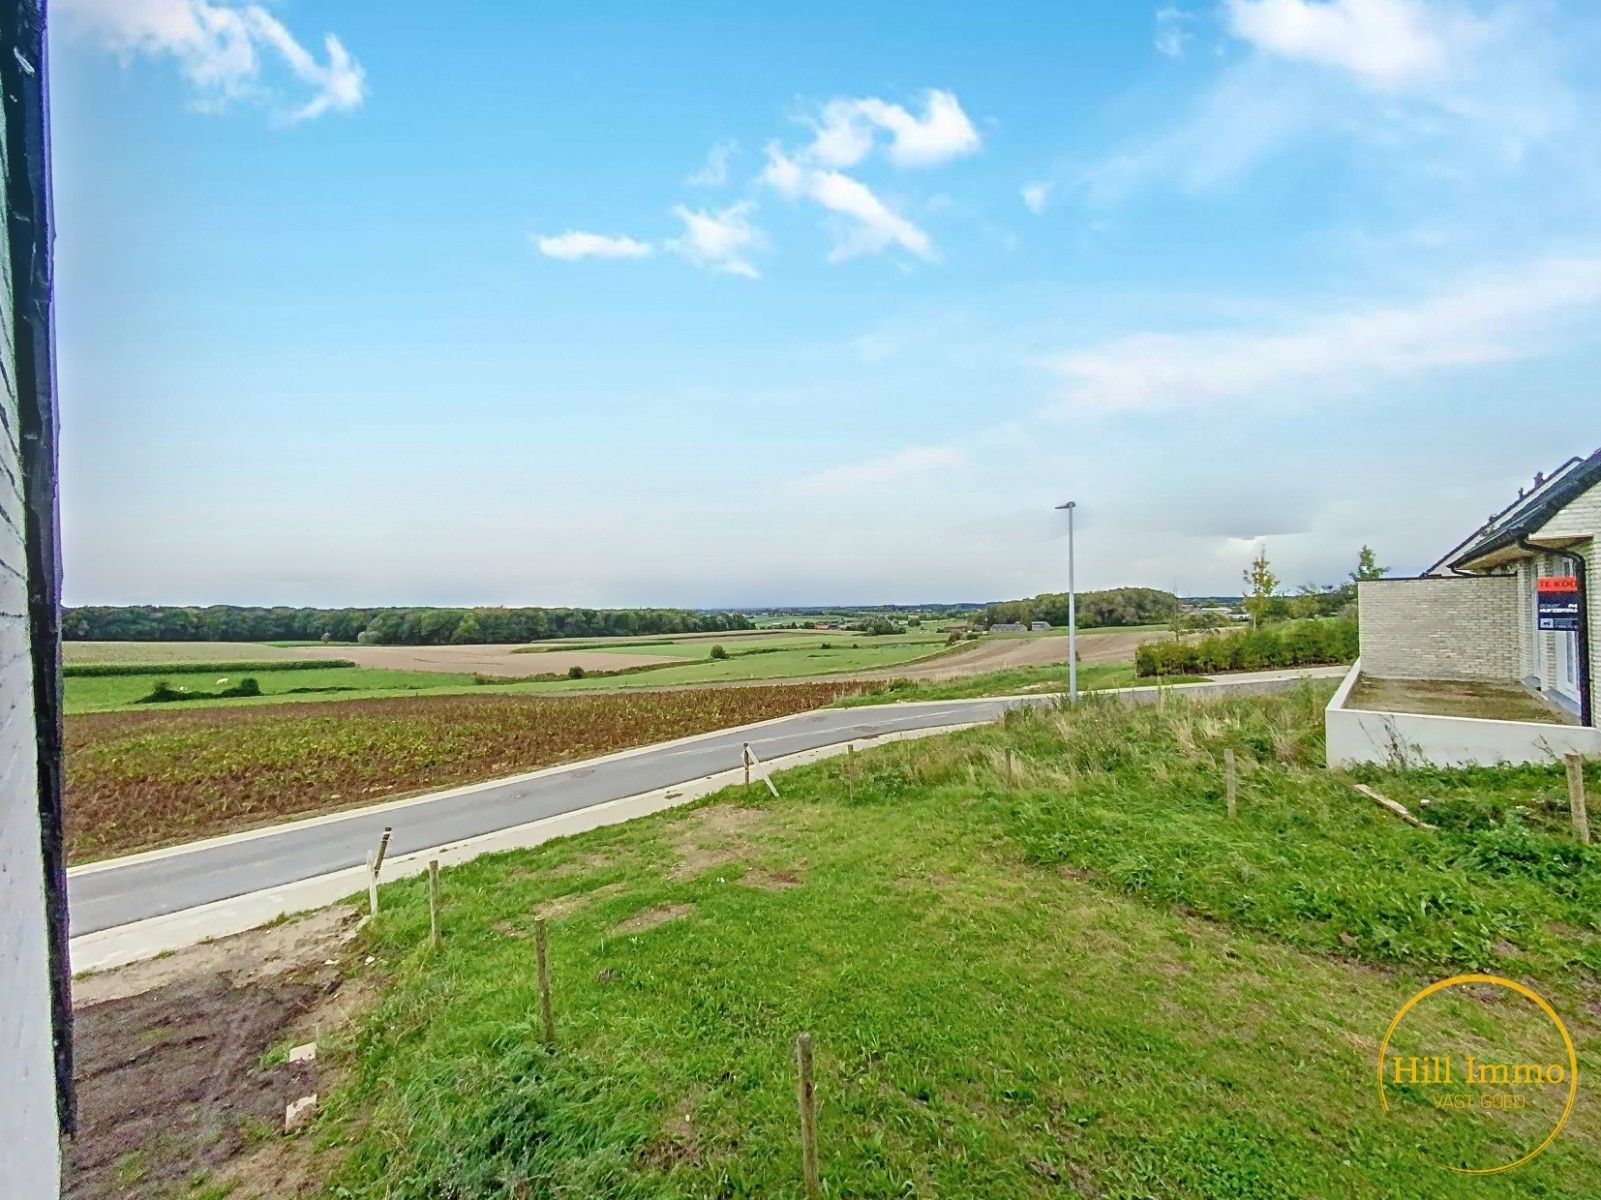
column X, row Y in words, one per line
column 749, row 660
column 122, row 692
column 154, row 778
column 1037, row 960
column 1018, row 681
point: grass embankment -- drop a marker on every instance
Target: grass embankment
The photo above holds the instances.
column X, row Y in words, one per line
column 1088, row 981
column 146, row 779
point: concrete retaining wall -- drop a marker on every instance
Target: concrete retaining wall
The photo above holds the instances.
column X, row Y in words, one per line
column 1408, row 739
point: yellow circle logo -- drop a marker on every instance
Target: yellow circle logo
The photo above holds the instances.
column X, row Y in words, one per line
column 1503, row 1078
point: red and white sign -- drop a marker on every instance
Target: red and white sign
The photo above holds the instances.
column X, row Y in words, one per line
column 1557, row 583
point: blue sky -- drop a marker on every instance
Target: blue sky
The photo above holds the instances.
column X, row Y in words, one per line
column 717, row 304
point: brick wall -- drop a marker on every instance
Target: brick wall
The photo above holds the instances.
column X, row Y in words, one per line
column 1441, row 628
column 29, row 1155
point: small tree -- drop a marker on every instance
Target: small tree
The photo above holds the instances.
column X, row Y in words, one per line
column 1367, row 567
column 719, row 652
column 1261, row 584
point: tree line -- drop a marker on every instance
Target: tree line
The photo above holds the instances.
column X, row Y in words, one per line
column 1112, row 606
column 381, row 626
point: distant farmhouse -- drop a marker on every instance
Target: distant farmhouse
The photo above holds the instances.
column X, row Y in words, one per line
column 1039, row 626
column 1009, row 627
column 1517, row 606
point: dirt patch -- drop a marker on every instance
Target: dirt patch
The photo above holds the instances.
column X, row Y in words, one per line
column 1002, row 654
column 175, row 1071
column 712, row 837
column 677, row 1144
column 771, row 881
column 552, row 910
column 649, row 918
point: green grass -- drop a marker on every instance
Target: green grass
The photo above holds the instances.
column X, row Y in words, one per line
column 1084, row 981
column 758, row 661
column 85, row 694
column 1015, row 681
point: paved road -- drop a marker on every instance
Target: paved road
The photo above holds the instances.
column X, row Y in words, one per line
column 118, row 895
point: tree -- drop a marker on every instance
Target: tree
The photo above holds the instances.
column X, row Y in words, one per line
column 1261, row 584
column 1367, row 567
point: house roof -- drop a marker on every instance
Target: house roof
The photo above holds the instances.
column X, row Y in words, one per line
column 1527, row 514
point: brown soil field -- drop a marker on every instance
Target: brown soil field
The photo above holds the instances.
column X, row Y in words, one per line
column 181, row 652
column 175, row 1074
column 1001, row 654
column 484, row 660
column 144, row 779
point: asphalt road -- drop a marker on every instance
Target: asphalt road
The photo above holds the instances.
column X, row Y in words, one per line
column 118, row 895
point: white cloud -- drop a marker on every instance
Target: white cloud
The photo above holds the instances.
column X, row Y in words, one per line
column 898, row 469
column 1500, row 319
column 872, row 225
column 576, row 244
column 842, row 137
column 1388, row 43
column 714, row 172
column 720, row 241
column 846, row 128
column 1036, row 196
column 220, row 50
column 1173, row 31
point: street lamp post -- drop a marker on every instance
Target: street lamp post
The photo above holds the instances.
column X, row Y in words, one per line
column 1072, row 609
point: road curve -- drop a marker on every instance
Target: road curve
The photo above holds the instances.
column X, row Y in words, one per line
column 105, row 896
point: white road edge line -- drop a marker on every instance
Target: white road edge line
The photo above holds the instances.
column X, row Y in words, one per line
column 108, row 948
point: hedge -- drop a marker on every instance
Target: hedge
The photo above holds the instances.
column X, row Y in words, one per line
column 1289, row 644
column 202, row 668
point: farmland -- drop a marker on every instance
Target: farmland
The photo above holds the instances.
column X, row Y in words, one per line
column 145, row 779
column 608, row 665
column 1036, row 958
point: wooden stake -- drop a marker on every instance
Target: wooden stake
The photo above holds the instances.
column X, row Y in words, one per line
column 1397, row 808
column 808, row 1115
column 1576, row 801
column 1231, row 783
column 546, row 1018
column 375, row 863
column 433, row 903
column 1011, row 771
column 383, row 849
column 744, row 754
column 850, row 771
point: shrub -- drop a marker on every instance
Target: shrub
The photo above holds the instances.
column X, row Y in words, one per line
column 1289, row 644
column 575, row 672
column 165, row 693
column 719, row 652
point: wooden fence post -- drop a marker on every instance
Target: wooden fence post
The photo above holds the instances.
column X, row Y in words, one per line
column 1576, row 801
column 547, row 1018
column 808, row 1115
column 375, row 863
column 433, row 903
column 1231, row 784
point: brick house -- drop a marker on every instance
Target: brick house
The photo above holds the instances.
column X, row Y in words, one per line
column 35, row 979
column 1517, row 601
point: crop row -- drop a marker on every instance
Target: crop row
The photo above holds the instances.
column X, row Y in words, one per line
column 146, row 779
